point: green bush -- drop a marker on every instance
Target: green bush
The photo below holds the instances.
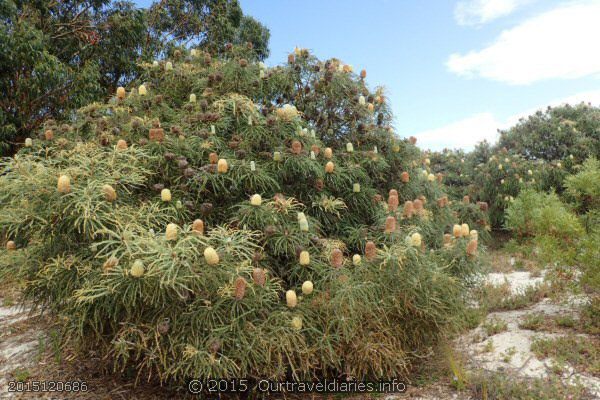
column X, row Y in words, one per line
column 128, row 269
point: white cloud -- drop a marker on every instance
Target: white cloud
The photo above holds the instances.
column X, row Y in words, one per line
column 464, row 133
column 467, row 132
column 479, row 12
column 560, row 43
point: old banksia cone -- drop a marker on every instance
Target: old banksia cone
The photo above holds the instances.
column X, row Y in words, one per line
column 370, row 251
column 198, row 227
column 393, row 202
column 472, row 248
column 307, row 287
column 137, row 269
column 64, row 184
column 291, row 299
column 10, row 245
column 447, row 239
column 329, row 167
column 109, row 193
column 222, row 166
column 239, row 288
column 409, row 209
column 171, row 232
column 390, row 224
column 304, row 257
column 256, row 200
column 405, row 177
column 296, row 147
column 165, row 195
column 337, row 258
column 259, row 277
column 211, row 256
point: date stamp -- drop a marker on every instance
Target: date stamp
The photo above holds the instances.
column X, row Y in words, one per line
column 47, row 386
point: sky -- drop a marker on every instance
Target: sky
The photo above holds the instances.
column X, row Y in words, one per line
column 454, row 71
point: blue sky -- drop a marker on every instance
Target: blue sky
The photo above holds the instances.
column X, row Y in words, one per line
column 454, row 70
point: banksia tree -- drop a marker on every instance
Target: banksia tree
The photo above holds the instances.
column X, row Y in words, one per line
column 218, row 211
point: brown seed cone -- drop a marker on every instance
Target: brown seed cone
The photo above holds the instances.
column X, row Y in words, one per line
column 409, row 209
column 390, row 224
column 370, row 251
column 259, row 276
column 337, row 258
column 157, row 134
column 164, row 326
column 418, row 205
column 319, row 184
column 213, row 158
column 10, row 245
column 49, row 134
column 447, row 239
column 466, row 199
column 291, row 58
column 472, row 248
column 296, row 147
column 315, row 149
column 240, row 288
column 393, row 203
column 483, row 206
column 363, row 74
column 198, row 227
column 110, row 263
column 405, row 177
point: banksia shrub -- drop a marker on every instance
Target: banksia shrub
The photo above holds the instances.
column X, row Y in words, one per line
column 236, row 187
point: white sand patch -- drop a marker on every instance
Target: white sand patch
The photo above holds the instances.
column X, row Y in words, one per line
column 519, row 281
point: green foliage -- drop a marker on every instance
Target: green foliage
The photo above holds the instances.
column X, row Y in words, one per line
column 556, row 134
column 59, row 55
column 584, row 186
column 134, row 278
